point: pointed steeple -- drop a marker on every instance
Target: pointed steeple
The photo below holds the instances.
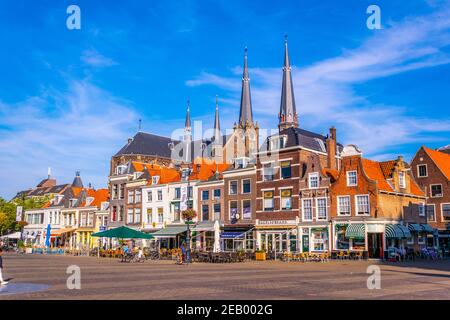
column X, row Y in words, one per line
column 187, row 123
column 245, row 114
column 217, row 123
column 77, row 180
column 288, row 113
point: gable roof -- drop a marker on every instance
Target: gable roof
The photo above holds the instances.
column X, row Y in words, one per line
column 441, row 159
column 148, row 144
column 306, row 139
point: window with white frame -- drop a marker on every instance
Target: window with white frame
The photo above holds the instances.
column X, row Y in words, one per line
column 130, row 216
column 268, row 172
column 160, row 195
column 149, row 215
column 313, row 180
column 446, row 211
column 422, row 171
column 422, row 209
column 268, row 200
column 436, row 190
column 150, row 196
column 402, row 179
column 138, row 196
column 362, row 205
column 307, row 209
column 155, row 179
column 233, row 187
column 431, row 214
column 343, row 205
column 286, row 199
column 137, row 215
column 246, row 186
column 421, row 238
column 352, row 178
column 160, row 215
column 321, row 208
column 205, row 195
column 130, row 197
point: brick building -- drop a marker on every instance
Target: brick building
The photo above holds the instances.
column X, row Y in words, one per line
column 431, row 168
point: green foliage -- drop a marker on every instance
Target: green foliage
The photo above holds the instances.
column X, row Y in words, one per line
column 31, row 203
column 7, row 217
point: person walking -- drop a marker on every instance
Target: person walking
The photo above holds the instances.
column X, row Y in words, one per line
column 2, row 282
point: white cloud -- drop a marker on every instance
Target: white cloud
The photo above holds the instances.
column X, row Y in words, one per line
column 93, row 58
column 326, row 91
column 77, row 129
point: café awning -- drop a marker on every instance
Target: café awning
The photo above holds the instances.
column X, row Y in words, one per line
column 123, row 233
column 427, row 228
column 414, row 227
column 60, row 232
column 232, row 235
column 203, row 226
column 356, row 231
column 396, row 231
column 170, row 231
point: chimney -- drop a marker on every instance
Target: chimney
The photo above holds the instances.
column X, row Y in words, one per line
column 331, row 148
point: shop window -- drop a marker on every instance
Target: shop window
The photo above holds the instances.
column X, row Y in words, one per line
column 422, row 238
column 286, row 169
column 268, row 201
column 307, row 209
column 342, row 243
column 358, row 244
column 286, row 199
column 319, row 240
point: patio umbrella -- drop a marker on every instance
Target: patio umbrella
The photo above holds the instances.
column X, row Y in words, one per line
column 47, row 236
column 123, row 233
column 216, row 236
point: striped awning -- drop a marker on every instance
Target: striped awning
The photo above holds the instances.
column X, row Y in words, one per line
column 396, row 231
column 405, row 230
column 427, row 228
column 414, row 227
column 356, row 231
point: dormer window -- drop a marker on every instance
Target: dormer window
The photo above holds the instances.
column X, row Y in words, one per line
column 122, row 169
column 155, row 179
column 184, row 174
column 282, row 143
column 57, row 199
column 89, row 201
column 277, row 142
column 104, row 206
column 240, row 163
column 136, row 175
column 72, row 202
column 402, row 179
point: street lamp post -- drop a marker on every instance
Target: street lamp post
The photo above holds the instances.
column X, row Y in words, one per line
column 188, row 220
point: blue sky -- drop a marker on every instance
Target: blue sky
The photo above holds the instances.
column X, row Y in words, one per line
column 69, row 99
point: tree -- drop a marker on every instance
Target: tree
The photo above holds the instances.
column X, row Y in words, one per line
column 7, row 217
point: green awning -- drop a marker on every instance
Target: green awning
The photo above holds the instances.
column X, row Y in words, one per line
column 414, row 227
column 123, row 233
column 170, row 231
column 356, row 231
column 394, row 231
column 339, row 225
column 427, row 228
column 405, row 230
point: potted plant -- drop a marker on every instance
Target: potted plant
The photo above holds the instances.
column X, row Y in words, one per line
column 260, row 255
column 189, row 214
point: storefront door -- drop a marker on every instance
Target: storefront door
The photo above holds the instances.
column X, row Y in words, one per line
column 375, row 243
column 305, row 243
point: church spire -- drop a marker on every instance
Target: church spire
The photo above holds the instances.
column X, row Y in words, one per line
column 217, row 123
column 288, row 113
column 245, row 114
column 187, row 123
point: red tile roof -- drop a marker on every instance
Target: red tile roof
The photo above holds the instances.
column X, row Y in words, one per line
column 441, row 159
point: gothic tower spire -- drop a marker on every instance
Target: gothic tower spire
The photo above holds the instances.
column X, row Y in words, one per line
column 288, row 113
column 217, row 123
column 245, row 114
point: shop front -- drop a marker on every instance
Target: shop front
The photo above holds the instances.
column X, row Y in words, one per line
column 238, row 238
column 171, row 237
column 351, row 236
column 277, row 235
